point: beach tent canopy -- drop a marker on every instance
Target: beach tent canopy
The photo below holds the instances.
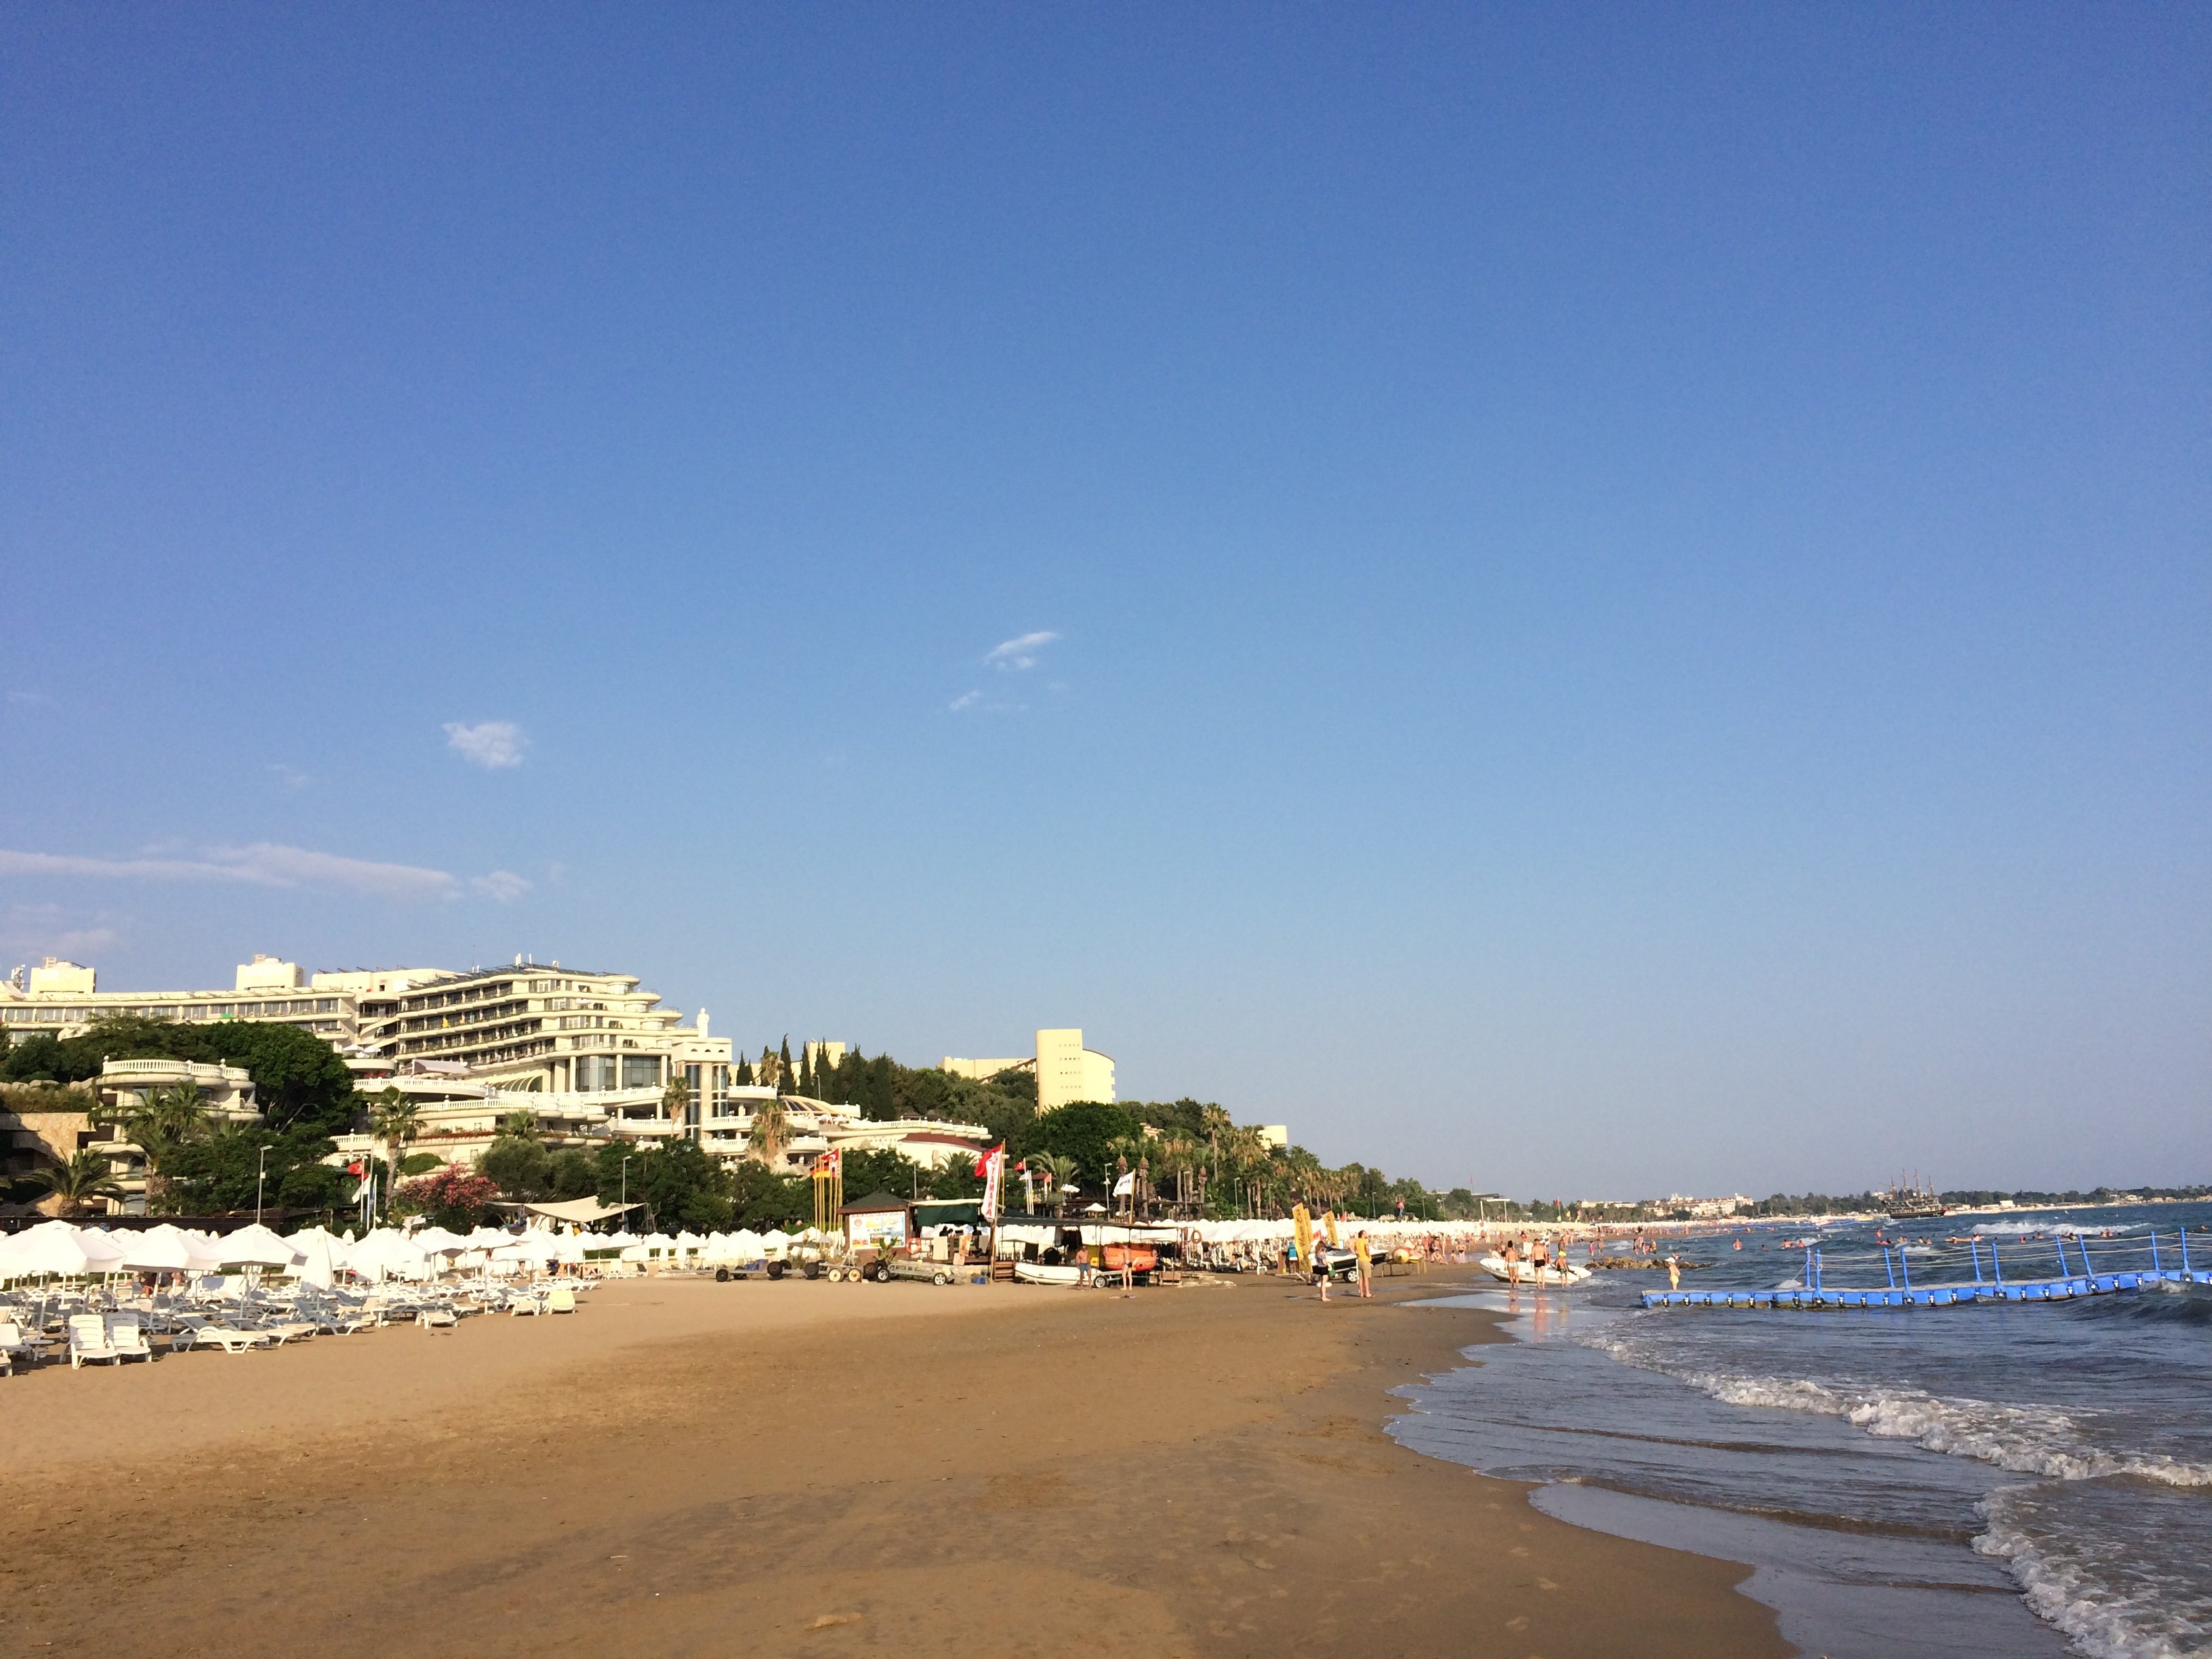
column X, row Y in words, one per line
column 948, row 1212
column 583, row 1211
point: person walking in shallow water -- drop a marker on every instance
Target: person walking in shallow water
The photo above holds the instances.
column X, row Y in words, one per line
column 1673, row 1273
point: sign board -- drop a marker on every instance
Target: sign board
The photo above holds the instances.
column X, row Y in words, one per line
column 874, row 1227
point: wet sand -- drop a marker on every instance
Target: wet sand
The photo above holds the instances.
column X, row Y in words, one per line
column 810, row 1469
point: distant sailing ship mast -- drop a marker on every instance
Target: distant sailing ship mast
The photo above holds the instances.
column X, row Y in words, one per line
column 1912, row 1201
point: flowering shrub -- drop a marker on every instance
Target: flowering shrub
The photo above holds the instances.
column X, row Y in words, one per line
column 454, row 1198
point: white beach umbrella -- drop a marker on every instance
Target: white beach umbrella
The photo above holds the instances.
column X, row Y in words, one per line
column 156, row 1252
column 43, row 1250
column 299, row 1241
column 386, row 1252
column 436, row 1241
column 488, row 1238
column 256, row 1246
column 107, row 1249
column 316, row 1267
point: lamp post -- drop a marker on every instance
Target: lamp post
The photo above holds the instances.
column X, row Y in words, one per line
column 260, row 1179
column 625, row 1172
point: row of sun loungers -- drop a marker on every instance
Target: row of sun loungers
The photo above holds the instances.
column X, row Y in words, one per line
column 242, row 1323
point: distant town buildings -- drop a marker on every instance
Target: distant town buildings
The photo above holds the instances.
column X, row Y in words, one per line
column 1705, row 1209
column 1065, row 1071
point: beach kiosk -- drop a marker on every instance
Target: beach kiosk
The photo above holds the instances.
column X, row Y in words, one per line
column 873, row 1223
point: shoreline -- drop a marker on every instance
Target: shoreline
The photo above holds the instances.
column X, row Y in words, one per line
column 803, row 1468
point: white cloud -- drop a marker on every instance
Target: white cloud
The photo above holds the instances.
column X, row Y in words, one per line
column 966, row 700
column 492, row 744
column 290, row 777
column 1020, row 652
column 263, row 864
column 38, row 930
column 503, row 885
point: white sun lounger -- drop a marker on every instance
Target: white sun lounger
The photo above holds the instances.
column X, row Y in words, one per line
column 12, row 1343
column 561, row 1299
column 437, row 1318
column 88, row 1339
column 127, row 1338
column 223, row 1337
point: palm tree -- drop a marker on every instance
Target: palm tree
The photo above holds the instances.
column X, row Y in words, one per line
column 395, row 1120
column 521, row 1124
column 1059, row 1170
column 159, row 1125
column 675, row 1099
column 78, row 1180
column 1176, row 1157
column 770, row 1133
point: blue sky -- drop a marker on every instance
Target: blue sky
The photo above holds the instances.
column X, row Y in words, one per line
column 1591, row 603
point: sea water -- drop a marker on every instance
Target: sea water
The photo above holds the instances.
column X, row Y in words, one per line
column 2005, row 1480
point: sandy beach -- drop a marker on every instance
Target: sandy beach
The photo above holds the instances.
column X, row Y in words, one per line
column 803, row 1468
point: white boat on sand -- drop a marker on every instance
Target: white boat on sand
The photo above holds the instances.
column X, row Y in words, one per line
column 1551, row 1276
column 1038, row 1272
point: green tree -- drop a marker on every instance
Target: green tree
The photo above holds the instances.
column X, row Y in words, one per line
column 160, row 1125
column 572, row 1172
column 1060, row 1171
column 770, row 1132
column 395, row 1120
column 1084, row 1131
column 522, row 1168
column 298, row 1078
column 761, row 1199
column 521, row 1124
column 675, row 1098
column 681, row 1185
column 221, row 1172
column 78, row 1180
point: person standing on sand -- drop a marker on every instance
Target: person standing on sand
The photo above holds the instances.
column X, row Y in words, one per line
column 1359, row 1254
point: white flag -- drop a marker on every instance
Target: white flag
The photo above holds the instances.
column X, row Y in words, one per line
column 1125, row 1185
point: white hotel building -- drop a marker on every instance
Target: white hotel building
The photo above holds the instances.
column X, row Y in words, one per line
column 1065, row 1071
column 590, row 1056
